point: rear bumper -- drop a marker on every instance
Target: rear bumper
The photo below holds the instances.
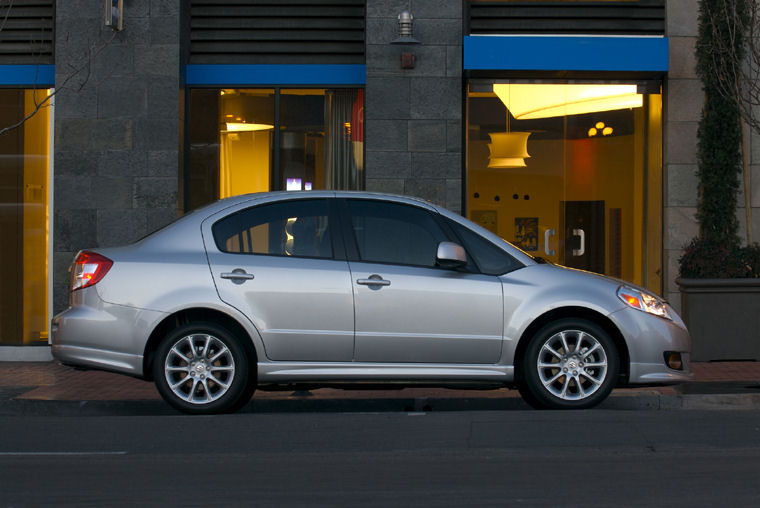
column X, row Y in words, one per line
column 96, row 334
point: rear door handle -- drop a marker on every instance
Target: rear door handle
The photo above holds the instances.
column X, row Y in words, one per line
column 373, row 280
column 238, row 276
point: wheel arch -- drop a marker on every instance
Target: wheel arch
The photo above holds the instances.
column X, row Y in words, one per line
column 186, row 316
column 576, row 313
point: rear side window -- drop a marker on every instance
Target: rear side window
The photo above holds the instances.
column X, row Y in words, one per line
column 289, row 228
column 491, row 260
column 395, row 233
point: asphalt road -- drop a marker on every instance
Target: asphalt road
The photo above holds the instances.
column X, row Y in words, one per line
column 468, row 458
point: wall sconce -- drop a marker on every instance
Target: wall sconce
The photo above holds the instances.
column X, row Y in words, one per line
column 114, row 14
column 405, row 38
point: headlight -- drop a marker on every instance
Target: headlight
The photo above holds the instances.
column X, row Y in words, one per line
column 644, row 301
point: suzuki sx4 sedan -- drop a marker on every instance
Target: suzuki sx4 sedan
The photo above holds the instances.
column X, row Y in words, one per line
column 280, row 290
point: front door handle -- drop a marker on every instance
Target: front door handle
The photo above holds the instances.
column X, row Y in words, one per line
column 582, row 235
column 373, row 280
column 237, row 276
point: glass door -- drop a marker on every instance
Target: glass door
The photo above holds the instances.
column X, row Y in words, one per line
column 570, row 173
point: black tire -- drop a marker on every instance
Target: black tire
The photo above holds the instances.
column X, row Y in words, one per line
column 583, row 376
column 216, row 377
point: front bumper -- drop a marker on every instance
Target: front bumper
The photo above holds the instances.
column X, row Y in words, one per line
column 648, row 338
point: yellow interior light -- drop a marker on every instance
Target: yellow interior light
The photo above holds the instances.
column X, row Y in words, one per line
column 528, row 101
column 508, row 149
column 592, row 132
column 607, row 131
column 247, row 127
column 599, row 125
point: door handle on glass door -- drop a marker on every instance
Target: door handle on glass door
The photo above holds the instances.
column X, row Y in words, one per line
column 548, row 234
column 582, row 234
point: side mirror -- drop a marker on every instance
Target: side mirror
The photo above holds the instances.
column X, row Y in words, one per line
column 450, row 255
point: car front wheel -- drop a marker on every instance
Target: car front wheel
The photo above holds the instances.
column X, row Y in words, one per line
column 201, row 368
column 569, row 364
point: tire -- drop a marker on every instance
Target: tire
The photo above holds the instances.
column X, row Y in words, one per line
column 213, row 376
column 568, row 364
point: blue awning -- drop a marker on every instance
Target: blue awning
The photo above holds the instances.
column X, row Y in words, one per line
column 565, row 53
column 258, row 75
column 39, row 76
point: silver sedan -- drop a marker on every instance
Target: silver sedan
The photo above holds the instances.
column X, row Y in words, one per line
column 332, row 288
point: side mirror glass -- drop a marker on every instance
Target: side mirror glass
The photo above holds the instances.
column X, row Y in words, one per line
column 450, row 255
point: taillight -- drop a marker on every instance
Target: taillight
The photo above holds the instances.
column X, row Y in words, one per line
column 88, row 269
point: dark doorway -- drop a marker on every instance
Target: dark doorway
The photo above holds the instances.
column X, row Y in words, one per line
column 583, row 235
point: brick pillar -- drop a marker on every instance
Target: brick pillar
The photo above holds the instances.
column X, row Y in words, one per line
column 116, row 127
column 413, row 117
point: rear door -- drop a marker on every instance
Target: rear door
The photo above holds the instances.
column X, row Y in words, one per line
column 280, row 264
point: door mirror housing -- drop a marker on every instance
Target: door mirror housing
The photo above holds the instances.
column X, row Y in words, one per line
column 450, row 255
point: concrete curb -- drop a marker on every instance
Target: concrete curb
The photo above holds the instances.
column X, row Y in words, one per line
column 626, row 402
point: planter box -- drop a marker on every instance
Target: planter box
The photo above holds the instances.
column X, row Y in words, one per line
column 723, row 316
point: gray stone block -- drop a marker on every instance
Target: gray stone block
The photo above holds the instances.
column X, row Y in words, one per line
column 160, row 217
column 120, row 227
column 164, row 30
column 111, row 134
column 72, row 192
column 681, row 143
column 156, row 134
column 386, row 135
column 137, row 30
column 433, row 190
column 454, row 135
column 454, row 61
column 75, row 163
column 755, row 186
column 682, row 185
column 123, row 163
column 157, row 60
column 387, row 165
column 436, row 165
column 76, row 9
column 384, row 61
column 423, row 9
column 682, row 17
column 163, row 98
column 61, row 263
column 380, row 31
column 74, row 229
column 111, row 192
column 685, row 99
column 681, row 226
column 60, row 297
column 386, row 8
column 454, row 195
column 438, row 32
column 427, row 136
column 164, row 8
column 163, row 163
column 387, row 99
column 390, row 185
column 433, row 98
column 114, row 61
column 155, row 192
column 72, row 133
column 73, row 103
column 122, row 98
column 682, row 58
column 136, row 8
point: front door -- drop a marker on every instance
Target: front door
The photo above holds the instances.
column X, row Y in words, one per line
column 407, row 309
column 583, row 235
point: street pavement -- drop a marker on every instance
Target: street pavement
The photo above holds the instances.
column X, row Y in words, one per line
column 51, row 388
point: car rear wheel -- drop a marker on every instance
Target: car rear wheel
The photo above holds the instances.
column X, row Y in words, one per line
column 201, row 368
column 569, row 364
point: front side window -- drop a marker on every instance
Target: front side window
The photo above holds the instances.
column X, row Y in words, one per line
column 290, row 228
column 491, row 260
column 395, row 233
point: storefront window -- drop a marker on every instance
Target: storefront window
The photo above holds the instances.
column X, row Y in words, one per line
column 24, row 190
column 254, row 140
column 570, row 172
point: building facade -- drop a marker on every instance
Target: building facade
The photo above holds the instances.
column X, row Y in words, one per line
column 568, row 128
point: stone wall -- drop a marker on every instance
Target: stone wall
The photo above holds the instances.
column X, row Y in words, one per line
column 413, row 117
column 116, row 127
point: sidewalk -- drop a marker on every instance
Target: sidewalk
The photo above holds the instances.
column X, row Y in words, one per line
column 23, row 384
